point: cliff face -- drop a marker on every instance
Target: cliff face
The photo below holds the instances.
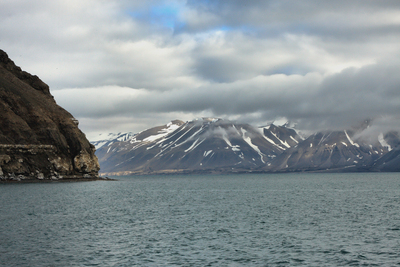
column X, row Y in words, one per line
column 38, row 138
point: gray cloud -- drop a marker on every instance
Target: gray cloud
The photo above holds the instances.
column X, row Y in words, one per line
column 130, row 65
column 315, row 102
column 295, row 16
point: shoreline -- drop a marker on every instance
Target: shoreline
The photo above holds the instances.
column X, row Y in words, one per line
column 63, row 180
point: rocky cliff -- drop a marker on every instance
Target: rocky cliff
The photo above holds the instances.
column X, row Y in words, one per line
column 38, row 138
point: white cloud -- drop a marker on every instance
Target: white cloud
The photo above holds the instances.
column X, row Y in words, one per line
column 134, row 64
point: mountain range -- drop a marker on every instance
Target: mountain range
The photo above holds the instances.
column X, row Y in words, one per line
column 221, row 146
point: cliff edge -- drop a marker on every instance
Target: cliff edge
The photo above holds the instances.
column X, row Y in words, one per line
column 38, row 139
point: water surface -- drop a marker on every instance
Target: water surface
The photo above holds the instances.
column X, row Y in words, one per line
column 211, row 220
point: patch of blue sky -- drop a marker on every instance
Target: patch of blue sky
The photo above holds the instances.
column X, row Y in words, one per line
column 165, row 11
column 162, row 15
column 224, row 28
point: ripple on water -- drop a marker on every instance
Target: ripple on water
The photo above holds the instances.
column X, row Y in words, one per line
column 239, row 220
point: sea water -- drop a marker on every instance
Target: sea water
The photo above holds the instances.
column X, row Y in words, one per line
column 204, row 220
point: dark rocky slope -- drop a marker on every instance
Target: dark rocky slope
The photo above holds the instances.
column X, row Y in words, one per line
column 38, row 138
column 331, row 150
column 389, row 162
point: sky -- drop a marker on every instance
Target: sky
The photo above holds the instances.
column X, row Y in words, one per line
column 128, row 65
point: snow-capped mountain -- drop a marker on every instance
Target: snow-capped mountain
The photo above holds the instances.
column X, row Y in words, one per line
column 216, row 145
column 106, row 140
column 201, row 144
column 330, row 150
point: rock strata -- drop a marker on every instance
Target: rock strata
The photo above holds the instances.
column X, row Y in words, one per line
column 38, row 139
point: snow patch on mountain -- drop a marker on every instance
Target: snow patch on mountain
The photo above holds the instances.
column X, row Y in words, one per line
column 194, row 145
column 248, row 141
column 351, row 141
column 162, row 133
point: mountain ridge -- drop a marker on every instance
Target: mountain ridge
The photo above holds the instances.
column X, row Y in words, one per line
column 216, row 145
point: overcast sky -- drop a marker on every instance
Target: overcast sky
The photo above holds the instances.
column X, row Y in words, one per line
column 126, row 65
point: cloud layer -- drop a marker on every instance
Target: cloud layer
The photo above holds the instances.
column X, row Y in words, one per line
column 130, row 65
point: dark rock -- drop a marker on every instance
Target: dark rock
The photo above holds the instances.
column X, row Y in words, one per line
column 37, row 137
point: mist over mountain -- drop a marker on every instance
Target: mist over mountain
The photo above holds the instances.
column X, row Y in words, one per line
column 223, row 146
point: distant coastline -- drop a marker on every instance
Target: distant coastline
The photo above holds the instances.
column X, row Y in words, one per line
column 238, row 171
